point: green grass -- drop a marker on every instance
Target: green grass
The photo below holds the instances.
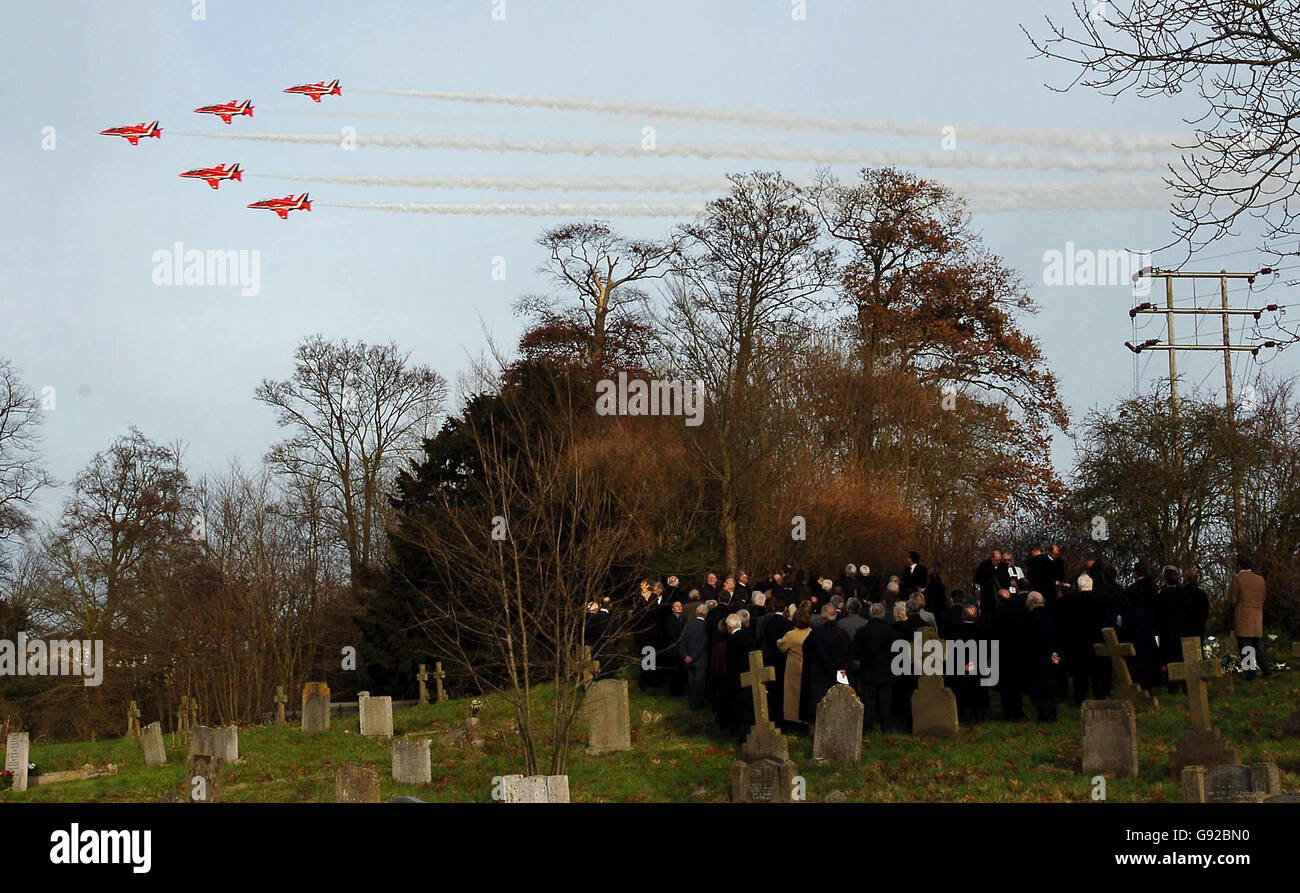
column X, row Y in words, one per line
column 684, row 752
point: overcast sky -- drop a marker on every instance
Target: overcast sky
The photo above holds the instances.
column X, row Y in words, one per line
column 82, row 314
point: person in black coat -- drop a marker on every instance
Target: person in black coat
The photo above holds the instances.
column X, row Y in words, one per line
column 1040, row 574
column 873, row 648
column 1043, row 658
column 1012, row 626
column 694, row 645
column 670, row 656
column 915, row 576
column 1167, row 622
column 737, row 706
column 1137, row 626
column 596, row 634
column 826, row 653
column 1078, row 630
column 972, row 697
column 1194, row 608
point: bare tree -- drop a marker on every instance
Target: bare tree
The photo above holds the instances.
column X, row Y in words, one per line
column 1242, row 58
column 357, row 411
column 21, row 474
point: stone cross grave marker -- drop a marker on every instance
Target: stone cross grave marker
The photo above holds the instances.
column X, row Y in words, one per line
column 1125, row 687
column 764, row 773
column 315, row 707
column 280, row 700
column 133, row 720
column 411, row 762
column 1231, row 784
column 354, row 783
column 934, row 705
column 609, row 721
column 151, row 740
column 439, row 674
column 1110, row 744
column 422, row 677
column 1202, row 745
column 838, row 735
column 16, row 758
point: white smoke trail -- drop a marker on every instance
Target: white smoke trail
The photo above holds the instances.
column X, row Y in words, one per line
column 522, row 183
column 530, row 209
column 870, row 157
column 1094, row 140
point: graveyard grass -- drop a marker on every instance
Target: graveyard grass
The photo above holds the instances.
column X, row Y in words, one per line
column 683, row 754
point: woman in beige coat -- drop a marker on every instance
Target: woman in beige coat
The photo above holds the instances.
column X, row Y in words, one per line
column 791, row 645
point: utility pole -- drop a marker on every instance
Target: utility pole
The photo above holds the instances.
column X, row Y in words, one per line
column 1171, row 346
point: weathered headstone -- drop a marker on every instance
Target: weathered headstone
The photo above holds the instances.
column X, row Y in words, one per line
column 1125, row 688
column 315, row 707
column 838, row 735
column 1202, row 745
column 609, row 724
column 354, row 783
column 411, row 763
column 377, row 716
column 535, row 789
column 438, row 675
column 221, row 742
column 422, row 677
column 1231, row 783
column 17, row 754
column 86, row 771
column 280, row 700
column 203, row 778
column 1110, row 738
column 151, row 739
column 133, row 720
column 362, row 697
column 934, row 705
column 764, row 773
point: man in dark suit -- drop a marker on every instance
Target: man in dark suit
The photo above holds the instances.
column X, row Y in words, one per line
column 670, row 655
column 695, row 651
column 737, row 706
column 827, row 652
column 873, row 649
column 596, row 634
column 916, row 575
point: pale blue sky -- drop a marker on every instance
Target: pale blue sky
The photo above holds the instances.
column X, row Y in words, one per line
column 80, row 312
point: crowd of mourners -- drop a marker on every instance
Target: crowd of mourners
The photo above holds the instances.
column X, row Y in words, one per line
column 817, row 632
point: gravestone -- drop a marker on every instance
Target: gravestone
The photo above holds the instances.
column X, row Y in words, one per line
column 151, row 739
column 411, row 763
column 764, row 773
column 17, row 755
column 133, row 720
column 422, row 677
column 315, row 707
column 1202, row 745
column 355, row 783
column 934, row 705
column 535, row 789
column 609, row 724
column 1110, row 738
column 438, row 675
column 1231, row 784
column 377, row 717
column 280, row 700
column 362, row 697
column 1125, row 688
column 838, row 735
column 221, row 742
column 203, row 778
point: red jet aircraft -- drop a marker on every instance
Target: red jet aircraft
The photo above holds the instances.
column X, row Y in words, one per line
column 214, row 175
column 228, row 110
column 283, row 206
column 317, row 90
column 133, row 133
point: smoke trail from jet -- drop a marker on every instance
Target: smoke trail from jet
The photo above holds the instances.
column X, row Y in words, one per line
column 814, row 155
column 1054, row 138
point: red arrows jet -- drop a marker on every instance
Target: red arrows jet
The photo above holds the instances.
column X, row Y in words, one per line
column 214, row 175
column 283, row 206
column 317, row 90
column 133, row 133
column 228, row 110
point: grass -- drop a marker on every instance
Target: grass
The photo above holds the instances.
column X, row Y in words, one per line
column 684, row 752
